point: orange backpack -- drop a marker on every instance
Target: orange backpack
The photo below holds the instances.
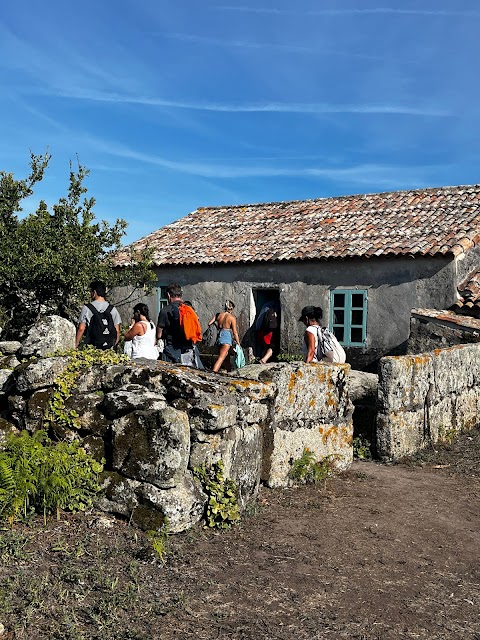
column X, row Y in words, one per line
column 190, row 323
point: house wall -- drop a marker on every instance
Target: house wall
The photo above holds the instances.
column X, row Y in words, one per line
column 394, row 285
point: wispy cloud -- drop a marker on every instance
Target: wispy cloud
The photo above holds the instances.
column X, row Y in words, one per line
column 272, row 46
column 344, row 12
column 368, row 173
column 259, row 107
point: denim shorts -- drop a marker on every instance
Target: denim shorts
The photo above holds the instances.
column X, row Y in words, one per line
column 225, row 337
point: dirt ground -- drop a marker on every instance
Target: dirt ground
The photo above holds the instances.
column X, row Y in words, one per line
column 383, row 552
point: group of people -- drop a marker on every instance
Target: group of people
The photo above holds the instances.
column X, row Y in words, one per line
column 168, row 339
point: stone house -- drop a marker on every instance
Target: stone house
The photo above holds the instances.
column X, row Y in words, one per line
column 367, row 260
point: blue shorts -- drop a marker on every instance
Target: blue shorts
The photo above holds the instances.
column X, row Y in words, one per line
column 225, row 337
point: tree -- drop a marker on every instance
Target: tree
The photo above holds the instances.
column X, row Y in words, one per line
column 49, row 258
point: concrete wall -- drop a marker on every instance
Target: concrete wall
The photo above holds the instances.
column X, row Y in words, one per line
column 426, row 398
column 394, row 285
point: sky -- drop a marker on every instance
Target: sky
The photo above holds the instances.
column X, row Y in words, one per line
column 174, row 105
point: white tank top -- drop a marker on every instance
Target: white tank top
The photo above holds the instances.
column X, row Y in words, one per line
column 313, row 329
column 144, row 346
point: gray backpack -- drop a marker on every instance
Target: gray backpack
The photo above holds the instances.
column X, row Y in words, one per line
column 328, row 343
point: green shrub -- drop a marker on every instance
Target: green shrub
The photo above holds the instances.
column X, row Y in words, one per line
column 222, row 506
column 361, row 448
column 307, row 470
column 37, row 475
column 65, row 383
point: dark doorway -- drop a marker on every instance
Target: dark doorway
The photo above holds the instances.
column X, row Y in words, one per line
column 261, row 298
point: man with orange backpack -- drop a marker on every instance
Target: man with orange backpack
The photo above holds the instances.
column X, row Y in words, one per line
column 179, row 327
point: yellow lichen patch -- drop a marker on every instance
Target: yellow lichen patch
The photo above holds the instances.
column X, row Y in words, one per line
column 292, row 381
column 243, row 383
column 312, row 402
column 320, row 430
column 423, row 359
column 329, row 433
column 330, row 401
column 216, row 407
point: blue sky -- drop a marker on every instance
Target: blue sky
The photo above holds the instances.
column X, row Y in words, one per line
column 176, row 104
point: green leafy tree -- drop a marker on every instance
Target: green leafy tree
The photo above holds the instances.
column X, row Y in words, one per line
column 50, row 257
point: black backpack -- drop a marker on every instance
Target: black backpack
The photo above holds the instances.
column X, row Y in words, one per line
column 102, row 333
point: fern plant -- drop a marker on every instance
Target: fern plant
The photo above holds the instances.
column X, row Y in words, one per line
column 38, row 475
column 308, row 470
column 222, row 506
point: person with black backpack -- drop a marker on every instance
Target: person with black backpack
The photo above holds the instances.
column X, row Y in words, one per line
column 99, row 322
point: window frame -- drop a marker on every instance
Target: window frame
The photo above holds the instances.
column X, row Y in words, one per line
column 348, row 308
column 161, row 301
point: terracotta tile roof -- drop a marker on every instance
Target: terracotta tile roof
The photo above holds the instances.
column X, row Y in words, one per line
column 419, row 223
column 469, row 290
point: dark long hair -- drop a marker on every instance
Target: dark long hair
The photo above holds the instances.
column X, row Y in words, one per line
column 143, row 309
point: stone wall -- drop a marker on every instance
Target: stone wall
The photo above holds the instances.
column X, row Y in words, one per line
column 426, row 398
column 154, row 423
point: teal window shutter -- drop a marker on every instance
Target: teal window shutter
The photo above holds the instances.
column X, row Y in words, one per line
column 348, row 316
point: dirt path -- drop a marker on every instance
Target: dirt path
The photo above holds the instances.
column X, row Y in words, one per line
column 387, row 552
column 384, row 552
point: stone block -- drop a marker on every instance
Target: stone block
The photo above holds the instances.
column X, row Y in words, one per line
column 132, row 397
column 183, row 505
column 47, row 336
column 240, row 449
column 152, row 446
column 39, row 374
column 6, row 379
column 9, row 347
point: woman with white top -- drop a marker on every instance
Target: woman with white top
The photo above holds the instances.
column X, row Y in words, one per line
column 311, row 317
column 142, row 334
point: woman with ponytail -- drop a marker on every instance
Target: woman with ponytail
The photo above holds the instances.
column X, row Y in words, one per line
column 227, row 324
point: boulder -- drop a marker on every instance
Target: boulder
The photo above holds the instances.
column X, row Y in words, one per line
column 9, row 362
column 118, row 494
column 152, row 446
column 183, row 505
column 47, row 336
column 5, row 428
column 148, row 506
column 9, row 347
column 240, row 449
column 311, row 409
column 132, row 397
column 40, row 374
column 362, row 386
column 6, row 379
column 88, row 407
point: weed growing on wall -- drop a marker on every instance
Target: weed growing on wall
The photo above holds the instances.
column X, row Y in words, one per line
column 37, row 475
column 222, row 506
column 290, row 357
column 308, row 470
column 64, row 384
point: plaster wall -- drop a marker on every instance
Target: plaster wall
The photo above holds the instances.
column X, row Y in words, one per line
column 394, row 286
